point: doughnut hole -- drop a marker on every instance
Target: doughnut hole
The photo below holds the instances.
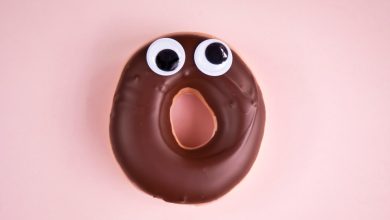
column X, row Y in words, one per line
column 193, row 121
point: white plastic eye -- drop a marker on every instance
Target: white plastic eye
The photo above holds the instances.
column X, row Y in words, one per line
column 165, row 56
column 213, row 57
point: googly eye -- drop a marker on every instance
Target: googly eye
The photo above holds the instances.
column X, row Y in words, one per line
column 165, row 56
column 213, row 57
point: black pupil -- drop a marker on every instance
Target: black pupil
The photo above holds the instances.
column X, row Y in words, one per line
column 167, row 60
column 216, row 53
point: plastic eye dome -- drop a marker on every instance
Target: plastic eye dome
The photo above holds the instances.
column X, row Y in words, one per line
column 213, row 57
column 165, row 56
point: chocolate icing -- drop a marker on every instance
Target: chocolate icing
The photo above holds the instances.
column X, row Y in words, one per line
column 141, row 132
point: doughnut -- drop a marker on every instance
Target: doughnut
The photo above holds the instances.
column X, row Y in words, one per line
column 141, row 133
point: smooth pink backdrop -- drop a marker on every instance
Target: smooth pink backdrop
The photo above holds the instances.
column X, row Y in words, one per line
column 323, row 66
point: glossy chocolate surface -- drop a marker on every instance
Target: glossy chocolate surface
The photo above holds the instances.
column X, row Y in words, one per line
column 142, row 137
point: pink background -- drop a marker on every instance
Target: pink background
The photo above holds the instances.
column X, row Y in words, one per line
column 323, row 67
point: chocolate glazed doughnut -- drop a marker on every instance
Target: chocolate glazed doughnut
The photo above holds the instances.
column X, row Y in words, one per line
column 141, row 132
